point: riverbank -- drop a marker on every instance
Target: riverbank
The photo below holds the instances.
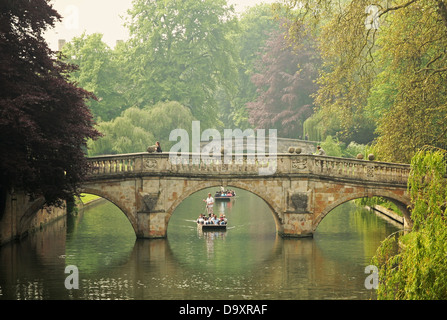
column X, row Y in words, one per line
column 88, row 200
column 386, row 213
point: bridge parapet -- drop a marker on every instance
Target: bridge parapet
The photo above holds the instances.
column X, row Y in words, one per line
column 381, row 172
column 241, row 165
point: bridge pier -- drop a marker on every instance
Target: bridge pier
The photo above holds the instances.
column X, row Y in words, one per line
column 151, row 225
column 297, row 225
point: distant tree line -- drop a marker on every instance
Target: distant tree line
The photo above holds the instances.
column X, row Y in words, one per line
column 200, row 60
column 366, row 72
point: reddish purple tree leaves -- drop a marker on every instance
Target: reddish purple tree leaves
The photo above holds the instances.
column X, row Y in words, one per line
column 44, row 121
column 285, row 82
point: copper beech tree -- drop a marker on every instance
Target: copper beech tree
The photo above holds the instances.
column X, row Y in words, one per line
column 44, row 119
column 285, row 83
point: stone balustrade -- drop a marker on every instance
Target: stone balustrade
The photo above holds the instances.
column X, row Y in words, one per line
column 281, row 165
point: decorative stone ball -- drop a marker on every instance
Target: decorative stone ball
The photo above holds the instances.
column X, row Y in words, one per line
column 291, row 149
column 371, row 157
column 150, row 149
column 298, row 150
column 360, row 156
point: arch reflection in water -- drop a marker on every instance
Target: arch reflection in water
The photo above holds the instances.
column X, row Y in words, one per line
column 249, row 239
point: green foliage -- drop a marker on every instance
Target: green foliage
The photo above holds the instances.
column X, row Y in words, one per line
column 167, row 116
column 136, row 129
column 427, row 186
column 312, row 128
column 345, row 78
column 182, row 51
column 390, row 81
column 353, row 149
column 318, row 126
column 121, row 135
column 98, row 72
column 413, row 81
column 332, row 147
column 418, row 269
column 382, row 96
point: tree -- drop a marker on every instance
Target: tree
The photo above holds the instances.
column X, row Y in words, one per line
column 413, row 266
column 413, row 82
column 136, row 128
column 256, row 25
column 44, row 120
column 394, row 70
column 98, row 72
column 181, row 51
column 285, row 83
column 167, row 116
column 122, row 135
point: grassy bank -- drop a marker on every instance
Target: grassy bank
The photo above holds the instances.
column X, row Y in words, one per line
column 86, row 198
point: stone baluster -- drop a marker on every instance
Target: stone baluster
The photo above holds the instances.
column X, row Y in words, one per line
column 128, row 165
column 102, row 166
column 105, row 164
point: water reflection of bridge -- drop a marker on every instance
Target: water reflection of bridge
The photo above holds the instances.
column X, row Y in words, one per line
column 300, row 190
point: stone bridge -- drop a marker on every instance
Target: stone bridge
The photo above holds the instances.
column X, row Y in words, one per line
column 301, row 190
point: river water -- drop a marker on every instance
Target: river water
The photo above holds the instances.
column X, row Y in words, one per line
column 248, row 261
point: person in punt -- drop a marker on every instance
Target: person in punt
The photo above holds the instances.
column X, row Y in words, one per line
column 201, row 220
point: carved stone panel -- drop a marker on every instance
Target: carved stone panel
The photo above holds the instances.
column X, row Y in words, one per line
column 148, row 201
column 370, row 172
column 150, row 164
column 299, row 202
column 299, row 164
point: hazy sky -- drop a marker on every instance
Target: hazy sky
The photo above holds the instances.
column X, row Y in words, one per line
column 102, row 16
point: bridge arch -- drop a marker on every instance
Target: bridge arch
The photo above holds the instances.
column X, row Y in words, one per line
column 402, row 203
column 214, row 184
column 119, row 204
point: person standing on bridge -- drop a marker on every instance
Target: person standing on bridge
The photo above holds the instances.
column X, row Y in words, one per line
column 158, row 147
column 320, row 151
column 209, row 204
